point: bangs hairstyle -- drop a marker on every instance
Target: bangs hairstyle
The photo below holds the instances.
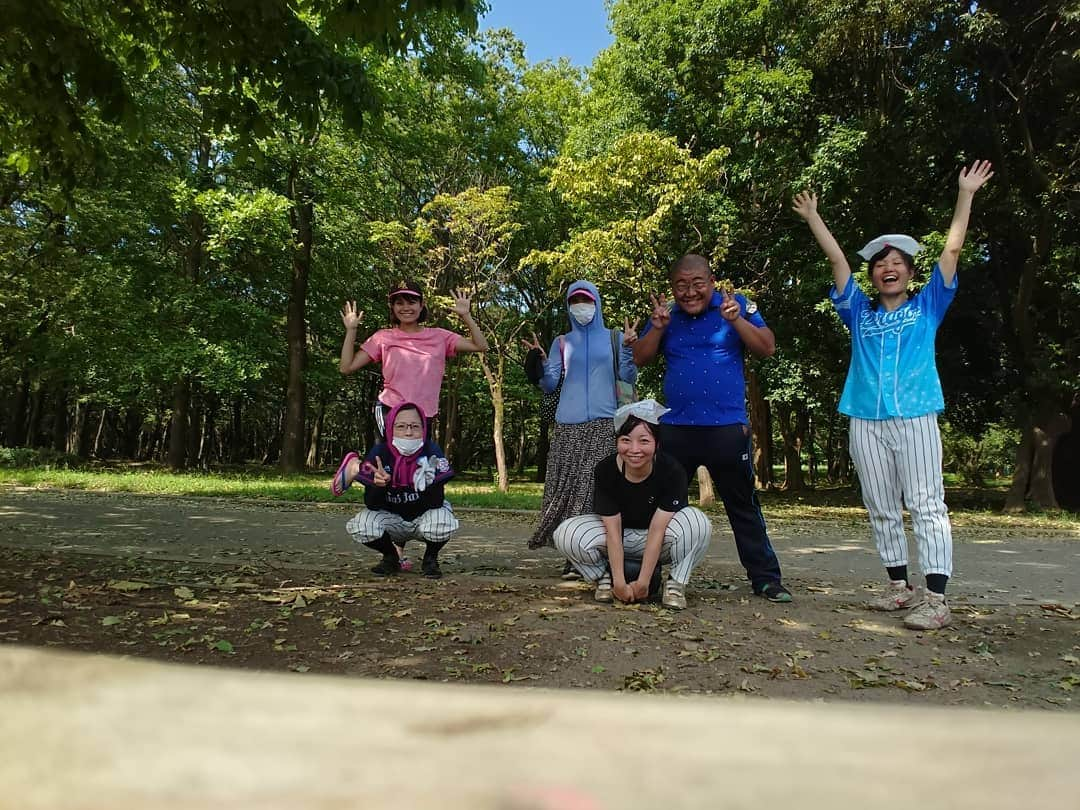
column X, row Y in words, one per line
column 397, row 321
column 632, row 422
column 909, row 260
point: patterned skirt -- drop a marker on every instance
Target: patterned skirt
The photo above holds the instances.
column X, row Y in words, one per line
column 568, row 484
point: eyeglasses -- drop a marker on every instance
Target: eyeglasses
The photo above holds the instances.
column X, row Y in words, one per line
column 683, row 287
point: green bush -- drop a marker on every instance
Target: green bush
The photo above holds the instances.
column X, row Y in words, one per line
column 28, row 457
column 975, row 459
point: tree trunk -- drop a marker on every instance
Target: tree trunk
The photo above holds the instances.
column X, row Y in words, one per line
column 316, row 433
column 706, row 492
column 1033, row 475
column 301, row 220
column 760, row 429
column 100, row 431
column 130, row 433
column 178, row 426
column 33, row 427
column 494, row 377
column 789, row 419
column 15, row 434
column 60, row 420
column 236, row 434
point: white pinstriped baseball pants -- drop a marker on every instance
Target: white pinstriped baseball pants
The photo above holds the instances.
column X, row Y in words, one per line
column 899, row 463
column 582, row 540
column 433, row 526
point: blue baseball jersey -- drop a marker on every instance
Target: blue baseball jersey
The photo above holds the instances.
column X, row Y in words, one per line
column 893, row 370
column 704, row 383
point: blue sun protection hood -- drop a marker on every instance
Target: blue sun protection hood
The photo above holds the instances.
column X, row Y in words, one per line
column 588, row 390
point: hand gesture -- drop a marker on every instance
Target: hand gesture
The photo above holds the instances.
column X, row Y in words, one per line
column 629, row 332
column 974, row 178
column 805, row 204
column 350, row 316
column 730, row 308
column 640, row 590
column 624, row 592
column 379, row 474
column 534, row 345
column 461, row 302
column 661, row 315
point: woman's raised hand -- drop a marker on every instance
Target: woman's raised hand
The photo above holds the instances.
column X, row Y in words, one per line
column 804, row 204
column 535, row 344
column 629, row 332
column 462, row 302
column 350, row 316
column 974, row 178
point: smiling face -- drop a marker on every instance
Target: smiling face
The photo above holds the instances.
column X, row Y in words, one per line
column 406, row 309
column 891, row 273
column 637, row 449
column 693, row 287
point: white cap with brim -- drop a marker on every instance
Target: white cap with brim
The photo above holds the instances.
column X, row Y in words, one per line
column 900, row 241
column 648, row 410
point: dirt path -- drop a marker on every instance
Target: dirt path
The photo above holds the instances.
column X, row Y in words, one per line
column 281, row 586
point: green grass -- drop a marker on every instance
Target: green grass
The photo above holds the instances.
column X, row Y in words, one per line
column 256, row 484
column 968, row 507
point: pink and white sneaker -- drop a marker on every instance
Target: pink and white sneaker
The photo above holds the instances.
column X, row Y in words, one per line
column 932, row 614
column 898, row 596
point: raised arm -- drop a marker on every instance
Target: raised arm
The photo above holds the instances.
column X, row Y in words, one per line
column 351, row 360
column 475, row 342
column 805, row 205
column 971, row 180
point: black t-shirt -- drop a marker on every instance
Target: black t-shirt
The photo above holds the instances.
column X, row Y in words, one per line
column 664, row 489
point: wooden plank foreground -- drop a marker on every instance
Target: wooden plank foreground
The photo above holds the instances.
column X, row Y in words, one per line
column 83, row 731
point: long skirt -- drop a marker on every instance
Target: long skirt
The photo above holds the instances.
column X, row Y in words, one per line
column 568, row 484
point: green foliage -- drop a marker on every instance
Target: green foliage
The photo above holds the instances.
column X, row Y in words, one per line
column 61, row 60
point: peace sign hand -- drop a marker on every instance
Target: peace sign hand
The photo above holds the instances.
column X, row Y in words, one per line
column 730, row 308
column 629, row 334
column 380, row 476
column 350, row 316
column 534, row 345
column 661, row 315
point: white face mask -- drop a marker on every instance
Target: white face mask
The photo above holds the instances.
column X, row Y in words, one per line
column 407, row 446
column 583, row 313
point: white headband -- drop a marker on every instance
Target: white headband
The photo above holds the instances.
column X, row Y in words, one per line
column 899, row 241
column 647, row 410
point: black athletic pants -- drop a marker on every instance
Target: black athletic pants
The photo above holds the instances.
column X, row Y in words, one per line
column 725, row 452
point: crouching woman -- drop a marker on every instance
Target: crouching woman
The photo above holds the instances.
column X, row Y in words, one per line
column 640, row 499
column 403, row 482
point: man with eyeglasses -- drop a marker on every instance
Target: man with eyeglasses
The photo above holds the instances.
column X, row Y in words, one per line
column 702, row 336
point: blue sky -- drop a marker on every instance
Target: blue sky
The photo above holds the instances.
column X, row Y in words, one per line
column 576, row 29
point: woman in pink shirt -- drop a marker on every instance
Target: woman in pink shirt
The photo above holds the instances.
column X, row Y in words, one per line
column 413, row 356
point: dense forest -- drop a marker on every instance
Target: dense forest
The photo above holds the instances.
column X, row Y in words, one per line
column 188, row 193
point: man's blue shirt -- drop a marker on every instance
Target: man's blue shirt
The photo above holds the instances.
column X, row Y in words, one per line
column 704, row 383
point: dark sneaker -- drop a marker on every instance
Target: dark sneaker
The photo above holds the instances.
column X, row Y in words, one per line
column 775, row 592
column 430, row 567
column 388, row 566
column 569, row 572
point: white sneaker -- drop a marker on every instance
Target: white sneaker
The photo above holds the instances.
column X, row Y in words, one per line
column 898, row 596
column 674, row 595
column 932, row 614
column 603, row 590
